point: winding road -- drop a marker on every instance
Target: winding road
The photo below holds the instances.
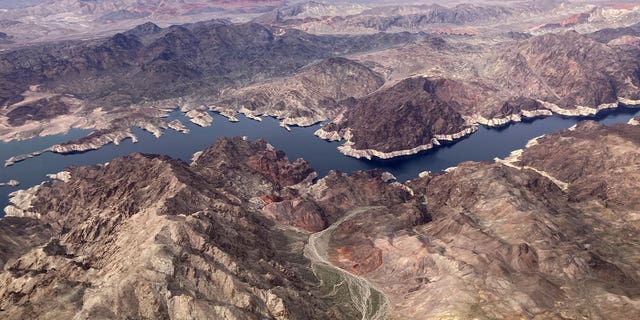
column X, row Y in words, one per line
column 369, row 301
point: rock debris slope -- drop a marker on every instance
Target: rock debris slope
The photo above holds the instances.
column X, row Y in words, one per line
column 550, row 232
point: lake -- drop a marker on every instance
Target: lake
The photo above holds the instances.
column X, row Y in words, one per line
column 484, row 144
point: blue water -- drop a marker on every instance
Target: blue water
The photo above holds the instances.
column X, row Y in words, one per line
column 485, row 144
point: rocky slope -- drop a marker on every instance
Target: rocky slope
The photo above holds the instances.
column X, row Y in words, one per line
column 507, row 238
column 549, row 232
column 609, row 34
column 428, row 15
column 309, row 11
column 170, row 241
column 307, row 97
column 589, row 18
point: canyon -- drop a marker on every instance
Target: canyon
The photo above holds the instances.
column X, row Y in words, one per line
column 505, row 236
column 425, row 201
column 116, row 83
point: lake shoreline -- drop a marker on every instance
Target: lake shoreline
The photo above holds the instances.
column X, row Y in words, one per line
column 485, row 144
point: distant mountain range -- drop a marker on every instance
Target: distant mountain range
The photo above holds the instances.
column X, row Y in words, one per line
column 73, row 19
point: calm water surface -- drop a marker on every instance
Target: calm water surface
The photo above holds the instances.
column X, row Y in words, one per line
column 485, row 144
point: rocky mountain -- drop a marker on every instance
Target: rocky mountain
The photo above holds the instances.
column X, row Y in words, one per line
column 547, row 245
column 594, row 17
column 243, row 233
column 586, row 69
column 490, row 84
column 276, row 71
column 149, row 67
column 396, row 120
column 177, row 241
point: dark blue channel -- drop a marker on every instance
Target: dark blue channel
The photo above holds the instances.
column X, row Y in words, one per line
column 485, row 144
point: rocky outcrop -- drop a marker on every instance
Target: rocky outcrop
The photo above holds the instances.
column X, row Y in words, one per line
column 22, row 157
column 326, row 202
column 21, row 202
column 199, row 117
column 401, row 120
column 10, row 183
column 251, row 170
column 94, row 140
column 119, row 130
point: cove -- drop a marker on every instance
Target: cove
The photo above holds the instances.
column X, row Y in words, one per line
column 484, row 145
